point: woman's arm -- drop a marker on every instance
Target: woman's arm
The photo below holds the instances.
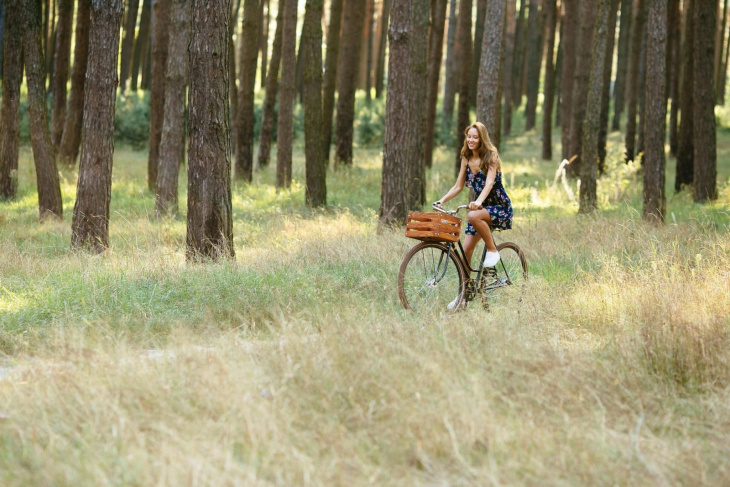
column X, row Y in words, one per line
column 458, row 186
column 491, row 176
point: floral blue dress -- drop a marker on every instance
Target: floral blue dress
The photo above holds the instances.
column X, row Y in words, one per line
column 497, row 203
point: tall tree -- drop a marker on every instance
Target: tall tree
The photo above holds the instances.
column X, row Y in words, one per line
column 272, row 87
column 685, row 139
column 247, row 83
column 172, row 142
column 533, row 66
column 705, row 145
column 210, row 218
column 632, row 78
column 491, row 71
column 141, row 44
column 382, row 38
column 232, row 86
column 417, row 93
column 450, row 68
column 591, row 121
column 369, row 49
column 656, row 111
column 606, row 84
column 316, row 169
column 330, row 73
column 624, row 39
column 90, row 224
column 60, row 69
column 478, row 35
column 284, row 126
column 673, row 46
column 463, row 39
column 49, row 187
column 10, row 111
column 719, row 49
column 510, row 25
column 264, row 38
column 352, row 27
column 568, row 42
column 160, row 43
column 127, row 42
column 435, row 51
column 520, row 55
column 550, row 8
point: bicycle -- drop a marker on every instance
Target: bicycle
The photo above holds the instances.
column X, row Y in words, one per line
column 433, row 274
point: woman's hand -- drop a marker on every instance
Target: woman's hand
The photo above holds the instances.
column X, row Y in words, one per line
column 473, row 206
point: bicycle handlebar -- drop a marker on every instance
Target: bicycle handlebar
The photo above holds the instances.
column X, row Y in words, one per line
column 448, row 212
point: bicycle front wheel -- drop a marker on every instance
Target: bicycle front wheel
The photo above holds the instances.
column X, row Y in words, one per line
column 511, row 273
column 431, row 278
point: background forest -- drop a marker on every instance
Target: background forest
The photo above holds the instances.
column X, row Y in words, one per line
column 201, row 209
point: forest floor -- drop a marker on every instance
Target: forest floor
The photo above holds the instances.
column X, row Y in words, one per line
column 296, row 364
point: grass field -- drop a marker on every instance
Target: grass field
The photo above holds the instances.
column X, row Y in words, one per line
column 296, row 364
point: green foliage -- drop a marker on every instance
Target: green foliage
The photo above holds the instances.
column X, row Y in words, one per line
column 132, row 119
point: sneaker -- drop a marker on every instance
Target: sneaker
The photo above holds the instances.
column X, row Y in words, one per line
column 454, row 304
column 491, row 259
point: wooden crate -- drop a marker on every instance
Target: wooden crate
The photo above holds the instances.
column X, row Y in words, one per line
column 433, row 227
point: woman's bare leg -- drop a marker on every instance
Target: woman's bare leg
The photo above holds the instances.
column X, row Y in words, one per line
column 481, row 221
column 470, row 243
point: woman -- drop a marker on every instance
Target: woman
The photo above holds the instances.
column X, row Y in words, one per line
column 481, row 170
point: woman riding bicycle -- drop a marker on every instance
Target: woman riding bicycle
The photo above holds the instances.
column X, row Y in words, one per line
column 481, row 170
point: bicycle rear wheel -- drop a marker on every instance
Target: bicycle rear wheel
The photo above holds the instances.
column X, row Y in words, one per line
column 430, row 278
column 511, row 275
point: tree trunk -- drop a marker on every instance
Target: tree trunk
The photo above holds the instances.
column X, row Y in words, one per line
column 435, row 51
column 160, row 42
column 519, row 55
column 210, row 219
column 656, row 111
column 369, row 51
column 285, row 125
column 510, row 25
column 673, row 46
column 172, row 142
column 48, row 42
column 2, row 34
column 272, row 86
column 450, row 69
column 632, row 78
column 591, row 122
column 685, row 141
column 264, row 39
column 316, row 169
column 382, row 38
column 491, row 71
column 705, row 157
column 478, row 35
column 347, row 72
column 248, row 57
column 232, row 87
column 60, row 69
column 145, row 83
column 49, row 187
column 624, row 41
column 533, row 66
column 10, row 112
column 640, row 95
column 547, row 110
column 127, row 42
column 71, row 139
column 393, row 195
column 569, row 43
column 720, row 50
column 90, row 224
column 581, row 86
column 141, row 45
column 559, row 71
column 606, row 94
column 463, row 39
column 330, row 73
column 417, row 93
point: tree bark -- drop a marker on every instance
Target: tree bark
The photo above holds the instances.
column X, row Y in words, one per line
column 247, row 60
column 510, row 23
column 349, row 61
column 478, row 35
column 172, row 142
column 569, row 44
column 160, row 42
column 210, row 219
column 606, row 94
column 632, row 78
column 49, row 187
column 591, row 121
column 519, row 54
column 673, row 46
column 368, row 54
column 316, row 169
column 60, row 69
column 491, row 71
column 417, row 93
column 547, row 110
column 640, row 95
column 685, row 140
column 10, row 111
column 705, row 155
column 382, row 38
column 127, row 42
column 533, row 66
column 450, row 68
column 719, row 49
column 656, row 111
column 330, row 73
column 272, row 86
column 285, row 125
column 624, row 41
column 90, row 224
column 232, row 86
column 435, row 52
column 141, row 45
column 463, row 39
column 264, row 39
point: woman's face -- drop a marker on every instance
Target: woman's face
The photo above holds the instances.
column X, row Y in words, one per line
column 472, row 139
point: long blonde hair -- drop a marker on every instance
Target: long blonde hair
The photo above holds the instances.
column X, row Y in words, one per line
column 488, row 154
